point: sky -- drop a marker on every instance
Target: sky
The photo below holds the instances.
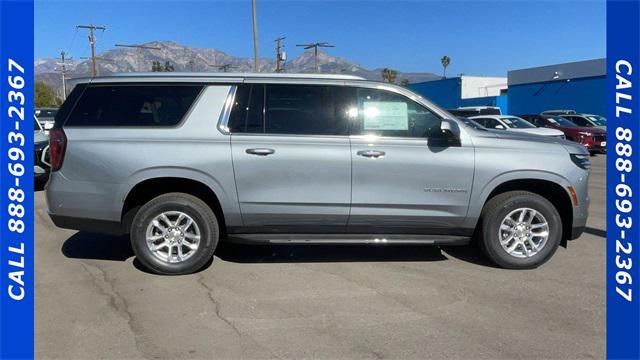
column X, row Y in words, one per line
column 481, row 37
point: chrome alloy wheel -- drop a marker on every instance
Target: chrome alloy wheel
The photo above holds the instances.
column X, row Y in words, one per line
column 173, row 236
column 523, row 232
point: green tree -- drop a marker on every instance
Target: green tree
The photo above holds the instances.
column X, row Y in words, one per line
column 445, row 61
column 45, row 95
column 389, row 75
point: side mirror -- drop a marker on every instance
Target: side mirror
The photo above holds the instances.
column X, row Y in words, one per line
column 499, row 127
column 450, row 132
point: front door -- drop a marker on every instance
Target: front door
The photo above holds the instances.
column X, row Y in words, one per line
column 403, row 180
column 291, row 157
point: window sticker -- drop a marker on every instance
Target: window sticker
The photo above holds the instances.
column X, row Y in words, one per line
column 385, row 115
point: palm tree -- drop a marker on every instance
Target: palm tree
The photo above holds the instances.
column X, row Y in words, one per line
column 445, row 62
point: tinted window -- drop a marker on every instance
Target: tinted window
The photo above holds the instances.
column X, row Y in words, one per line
column 517, row 123
column 386, row 113
column 246, row 114
column 536, row 121
column 488, row 122
column 579, row 121
column 290, row 109
column 560, row 121
column 67, row 105
column 133, row 105
column 297, row 109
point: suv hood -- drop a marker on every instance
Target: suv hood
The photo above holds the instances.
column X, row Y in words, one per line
column 539, row 131
column 570, row 146
column 594, row 130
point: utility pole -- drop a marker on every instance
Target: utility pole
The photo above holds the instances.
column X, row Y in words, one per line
column 63, row 71
column 281, row 56
column 92, row 42
column 315, row 47
column 256, row 63
column 138, row 51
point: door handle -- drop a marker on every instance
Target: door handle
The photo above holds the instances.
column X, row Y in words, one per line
column 371, row 153
column 260, row 151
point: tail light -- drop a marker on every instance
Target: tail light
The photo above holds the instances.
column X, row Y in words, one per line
column 57, row 146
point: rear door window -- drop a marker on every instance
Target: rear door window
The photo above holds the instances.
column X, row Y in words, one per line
column 289, row 109
column 133, row 105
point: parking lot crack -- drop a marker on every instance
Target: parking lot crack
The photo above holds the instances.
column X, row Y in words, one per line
column 116, row 301
column 216, row 306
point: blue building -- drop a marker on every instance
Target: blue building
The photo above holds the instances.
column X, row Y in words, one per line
column 461, row 91
column 578, row 86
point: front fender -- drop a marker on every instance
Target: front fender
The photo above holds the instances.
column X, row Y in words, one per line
column 481, row 191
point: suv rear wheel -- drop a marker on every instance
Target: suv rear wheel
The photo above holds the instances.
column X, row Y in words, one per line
column 174, row 234
column 520, row 230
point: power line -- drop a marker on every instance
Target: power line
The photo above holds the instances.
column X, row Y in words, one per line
column 92, row 42
column 315, row 47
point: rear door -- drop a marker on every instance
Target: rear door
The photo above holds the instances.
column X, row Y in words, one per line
column 405, row 178
column 291, row 156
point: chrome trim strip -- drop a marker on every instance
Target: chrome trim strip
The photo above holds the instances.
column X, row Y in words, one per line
column 223, row 120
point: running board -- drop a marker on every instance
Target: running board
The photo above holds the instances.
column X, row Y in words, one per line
column 355, row 239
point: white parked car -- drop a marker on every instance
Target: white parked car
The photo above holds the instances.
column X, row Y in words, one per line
column 514, row 123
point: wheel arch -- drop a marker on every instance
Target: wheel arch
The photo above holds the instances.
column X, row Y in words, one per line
column 151, row 187
column 548, row 185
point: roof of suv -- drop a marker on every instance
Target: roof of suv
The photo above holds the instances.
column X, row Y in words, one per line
column 207, row 76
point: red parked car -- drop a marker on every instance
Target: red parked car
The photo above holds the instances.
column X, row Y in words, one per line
column 594, row 139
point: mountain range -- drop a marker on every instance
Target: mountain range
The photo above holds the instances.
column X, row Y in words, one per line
column 190, row 59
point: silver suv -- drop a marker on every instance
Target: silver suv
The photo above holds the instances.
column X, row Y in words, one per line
column 181, row 161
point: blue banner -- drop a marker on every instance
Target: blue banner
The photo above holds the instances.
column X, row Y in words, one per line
column 623, row 183
column 16, row 180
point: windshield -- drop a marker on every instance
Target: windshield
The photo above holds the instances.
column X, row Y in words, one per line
column 598, row 120
column 471, row 123
column 516, row 122
column 560, row 121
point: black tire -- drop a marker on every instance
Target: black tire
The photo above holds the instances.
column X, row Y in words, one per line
column 495, row 212
column 195, row 208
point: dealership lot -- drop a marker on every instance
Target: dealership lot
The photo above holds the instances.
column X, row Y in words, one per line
column 93, row 299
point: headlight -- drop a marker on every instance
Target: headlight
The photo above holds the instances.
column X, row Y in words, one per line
column 585, row 133
column 581, row 160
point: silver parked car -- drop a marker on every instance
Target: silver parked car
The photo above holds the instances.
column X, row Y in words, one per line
column 181, row 161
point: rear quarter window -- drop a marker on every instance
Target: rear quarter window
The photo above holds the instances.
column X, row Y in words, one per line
column 133, row 105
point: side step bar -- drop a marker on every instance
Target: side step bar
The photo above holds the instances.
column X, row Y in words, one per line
column 355, row 239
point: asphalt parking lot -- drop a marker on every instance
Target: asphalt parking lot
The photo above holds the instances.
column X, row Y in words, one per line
column 93, row 300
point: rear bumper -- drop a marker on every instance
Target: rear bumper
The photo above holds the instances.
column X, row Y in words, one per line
column 88, row 225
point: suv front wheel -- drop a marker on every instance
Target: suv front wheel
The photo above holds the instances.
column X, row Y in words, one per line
column 174, row 234
column 520, row 230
